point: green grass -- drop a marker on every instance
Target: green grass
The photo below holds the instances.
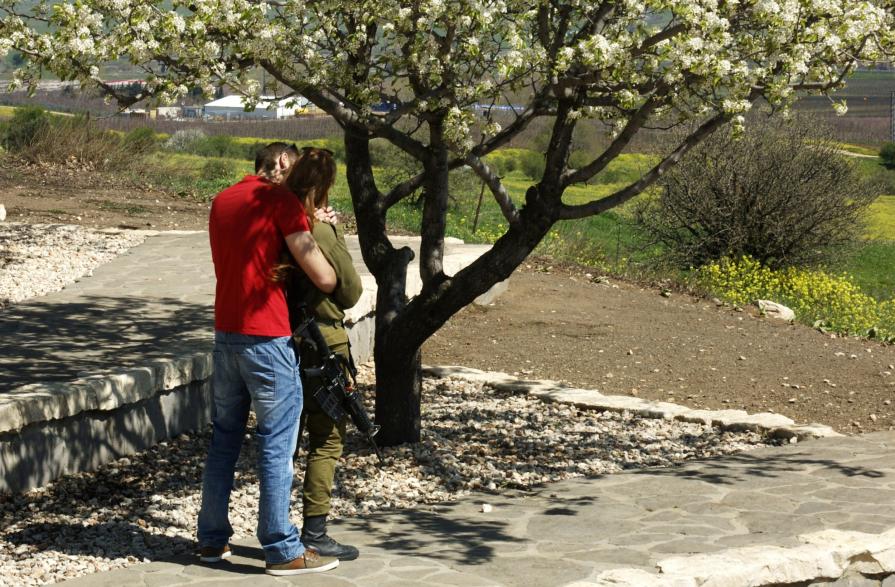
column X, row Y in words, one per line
column 872, row 267
column 859, row 149
column 881, row 219
column 603, row 240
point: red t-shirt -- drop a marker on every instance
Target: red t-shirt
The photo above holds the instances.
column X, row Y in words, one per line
column 247, row 226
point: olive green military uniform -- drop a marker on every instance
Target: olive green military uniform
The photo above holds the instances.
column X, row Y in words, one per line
column 326, row 438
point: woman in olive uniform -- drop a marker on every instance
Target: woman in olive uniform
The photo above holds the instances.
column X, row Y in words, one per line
column 311, row 178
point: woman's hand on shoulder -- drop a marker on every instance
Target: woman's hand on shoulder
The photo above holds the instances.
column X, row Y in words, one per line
column 327, row 215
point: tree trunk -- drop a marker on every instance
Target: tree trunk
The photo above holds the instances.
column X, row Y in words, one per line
column 398, row 365
column 402, row 325
column 398, row 384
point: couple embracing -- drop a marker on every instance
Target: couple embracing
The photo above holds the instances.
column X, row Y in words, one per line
column 275, row 246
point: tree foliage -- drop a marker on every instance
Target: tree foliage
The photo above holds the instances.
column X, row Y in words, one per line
column 782, row 194
column 446, row 68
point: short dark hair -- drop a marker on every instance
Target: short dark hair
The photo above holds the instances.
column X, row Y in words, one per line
column 266, row 157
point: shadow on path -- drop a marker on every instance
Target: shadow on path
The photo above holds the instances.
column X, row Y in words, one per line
column 439, row 535
column 738, row 467
column 47, row 342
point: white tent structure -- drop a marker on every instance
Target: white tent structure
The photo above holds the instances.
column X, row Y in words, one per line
column 233, row 108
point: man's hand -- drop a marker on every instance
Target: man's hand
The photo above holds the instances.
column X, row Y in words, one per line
column 327, row 215
column 308, row 256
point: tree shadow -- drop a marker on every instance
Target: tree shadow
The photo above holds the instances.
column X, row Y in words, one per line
column 733, row 468
column 107, row 539
column 437, row 535
column 44, row 342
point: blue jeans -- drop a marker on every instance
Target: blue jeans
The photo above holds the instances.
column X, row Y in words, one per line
column 260, row 372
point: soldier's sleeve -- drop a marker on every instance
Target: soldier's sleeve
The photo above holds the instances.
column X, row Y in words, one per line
column 332, row 243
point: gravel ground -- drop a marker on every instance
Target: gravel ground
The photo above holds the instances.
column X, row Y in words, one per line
column 37, row 259
column 144, row 507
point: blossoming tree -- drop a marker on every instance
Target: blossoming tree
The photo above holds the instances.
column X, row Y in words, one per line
column 632, row 64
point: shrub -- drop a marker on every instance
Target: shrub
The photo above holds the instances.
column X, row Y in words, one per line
column 25, row 125
column 532, row 164
column 578, row 159
column 394, row 165
column 218, row 146
column 184, row 140
column 75, row 141
column 216, row 169
column 503, row 161
column 140, row 141
column 782, row 194
column 818, row 298
column 887, row 154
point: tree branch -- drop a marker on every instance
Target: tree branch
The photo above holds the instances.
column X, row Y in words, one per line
column 347, row 116
column 403, row 190
column 496, row 186
column 435, row 204
column 618, row 145
column 567, row 212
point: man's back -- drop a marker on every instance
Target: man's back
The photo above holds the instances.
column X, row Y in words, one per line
column 247, row 227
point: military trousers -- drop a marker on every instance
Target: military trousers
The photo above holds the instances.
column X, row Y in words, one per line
column 326, row 440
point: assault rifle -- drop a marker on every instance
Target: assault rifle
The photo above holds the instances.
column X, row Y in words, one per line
column 336, row 395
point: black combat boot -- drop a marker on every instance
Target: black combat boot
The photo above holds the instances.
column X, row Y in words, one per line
column 313, row 535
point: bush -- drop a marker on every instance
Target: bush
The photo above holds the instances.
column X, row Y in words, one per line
column 140, row 141
column 833, row 302
column 532, row 164
column 74, row 141
column 578, row 159
column 183, row 141
column 782, row 194
column 887, row 154
column 216, row 169
column 26, row 124
column 394, row 165
column 219, row 146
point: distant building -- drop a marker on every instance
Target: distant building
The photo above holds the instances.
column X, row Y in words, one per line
column 233, row 108
column 168, row 112
column 192, row 111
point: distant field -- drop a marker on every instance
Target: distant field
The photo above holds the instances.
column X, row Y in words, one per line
column 867, row 93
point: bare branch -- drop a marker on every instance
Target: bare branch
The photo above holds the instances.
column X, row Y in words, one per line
column 618, row 145
column 496, row 186
column 403, row 190
column 620, row 197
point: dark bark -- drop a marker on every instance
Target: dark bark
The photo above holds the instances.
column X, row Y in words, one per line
column 398, row 364
column 435, row 205
column 398, row 372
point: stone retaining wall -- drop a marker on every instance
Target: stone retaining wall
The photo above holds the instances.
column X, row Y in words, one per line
column 47, row 449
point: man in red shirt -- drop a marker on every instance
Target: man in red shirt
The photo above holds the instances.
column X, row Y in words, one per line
column 255, row 364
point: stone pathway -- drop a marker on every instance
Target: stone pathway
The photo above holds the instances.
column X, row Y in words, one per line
column 153, row 302
column 772, row 516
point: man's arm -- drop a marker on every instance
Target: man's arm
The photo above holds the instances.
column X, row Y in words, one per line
column 308, row 256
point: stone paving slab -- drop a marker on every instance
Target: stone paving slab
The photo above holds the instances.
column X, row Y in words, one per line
column 152, row 302
column 817, row 507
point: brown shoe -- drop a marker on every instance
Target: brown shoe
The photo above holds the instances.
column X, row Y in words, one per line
column 214, row 554
column 309, row 562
